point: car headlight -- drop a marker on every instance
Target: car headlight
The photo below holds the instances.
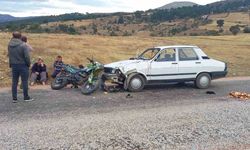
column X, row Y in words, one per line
column 113, row 71
column 122, row 69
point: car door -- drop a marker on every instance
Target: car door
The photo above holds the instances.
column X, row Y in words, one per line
column 164, row 66
column 189, row 63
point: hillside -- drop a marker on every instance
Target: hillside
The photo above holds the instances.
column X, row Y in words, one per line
column 193, row 20
column 230, row 19
column 5, row 18
column 177, row 5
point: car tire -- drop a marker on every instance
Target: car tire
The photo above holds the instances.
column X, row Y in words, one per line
column 136, row 83
column 203, row 81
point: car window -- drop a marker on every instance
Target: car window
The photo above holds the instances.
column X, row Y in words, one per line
column 167, row 55
column 149, row 54
column 187, row 54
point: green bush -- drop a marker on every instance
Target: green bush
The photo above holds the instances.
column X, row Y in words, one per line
column 126, row 33
column 235, row 29
column 113, row 33
column 193, row 34
column 212, row 33
column 246, row 29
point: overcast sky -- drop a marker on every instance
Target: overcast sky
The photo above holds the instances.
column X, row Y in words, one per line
column 53, row 7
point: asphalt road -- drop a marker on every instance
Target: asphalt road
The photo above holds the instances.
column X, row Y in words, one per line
column 160, row 117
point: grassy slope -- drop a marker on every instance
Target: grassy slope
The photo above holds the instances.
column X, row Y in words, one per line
column 236, row 18
column 232, row 49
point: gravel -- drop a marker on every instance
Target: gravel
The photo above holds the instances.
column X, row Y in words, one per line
column 205, row 126
column 210, row 122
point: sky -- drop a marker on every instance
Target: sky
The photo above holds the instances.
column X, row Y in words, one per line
column 21, row 8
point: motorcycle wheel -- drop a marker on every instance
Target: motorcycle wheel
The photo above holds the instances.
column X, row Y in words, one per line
column 88, row 88
column 59, row 83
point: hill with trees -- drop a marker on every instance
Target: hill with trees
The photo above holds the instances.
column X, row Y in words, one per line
column 175, row 5
column 187, row 20
column 6, row 18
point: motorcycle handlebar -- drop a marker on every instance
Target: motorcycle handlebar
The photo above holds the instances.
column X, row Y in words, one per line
column 91, row 60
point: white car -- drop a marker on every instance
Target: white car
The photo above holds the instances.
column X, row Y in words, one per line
column 166, row 64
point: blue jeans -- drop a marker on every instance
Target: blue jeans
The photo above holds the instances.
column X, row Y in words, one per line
column 17, row 71
column 55, row 73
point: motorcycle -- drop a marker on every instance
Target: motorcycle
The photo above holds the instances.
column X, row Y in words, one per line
column 69, row 75
column 94, row 77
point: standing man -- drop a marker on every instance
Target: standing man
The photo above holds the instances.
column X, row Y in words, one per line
column 19, row 60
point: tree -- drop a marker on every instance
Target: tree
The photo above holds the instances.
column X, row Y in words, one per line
column 113, row 33
column 94, row 28
column 235, row 29
column 220, row 24
column 246, row 29
column 138, row 14
column 120, row 20
column 72, row 30
column 63, row 27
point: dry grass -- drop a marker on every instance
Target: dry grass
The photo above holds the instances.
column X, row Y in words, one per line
column 75, row 48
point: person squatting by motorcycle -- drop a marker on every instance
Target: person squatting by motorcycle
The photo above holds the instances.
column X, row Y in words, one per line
column 57, row 66
column 38, row 72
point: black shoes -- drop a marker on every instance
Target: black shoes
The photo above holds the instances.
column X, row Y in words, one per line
column 14, row 100
column 28, row 99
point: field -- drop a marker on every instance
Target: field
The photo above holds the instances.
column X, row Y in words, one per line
column 75, row 48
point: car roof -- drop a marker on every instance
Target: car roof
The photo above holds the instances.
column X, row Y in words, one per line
column 176, row 46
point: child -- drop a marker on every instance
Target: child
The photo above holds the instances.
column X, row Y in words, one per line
column 25, row 40
column 57, row 66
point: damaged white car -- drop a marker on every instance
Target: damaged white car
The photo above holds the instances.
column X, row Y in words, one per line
column 166, row 64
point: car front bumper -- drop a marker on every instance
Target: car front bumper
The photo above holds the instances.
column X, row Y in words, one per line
column 219, row 74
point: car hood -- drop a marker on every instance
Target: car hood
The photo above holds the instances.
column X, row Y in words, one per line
column 123, row 63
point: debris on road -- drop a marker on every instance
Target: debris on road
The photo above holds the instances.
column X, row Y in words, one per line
column 211, row 92
column 240, row 95
column 112, row 88
column 129, row 96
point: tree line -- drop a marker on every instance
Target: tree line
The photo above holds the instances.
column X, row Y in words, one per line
column 198, row 10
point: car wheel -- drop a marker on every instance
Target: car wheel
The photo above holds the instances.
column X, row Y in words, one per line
column 203, row 81
column 136, row 83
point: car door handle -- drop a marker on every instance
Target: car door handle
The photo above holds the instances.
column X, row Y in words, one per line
column 198, row 62
column 175, row 63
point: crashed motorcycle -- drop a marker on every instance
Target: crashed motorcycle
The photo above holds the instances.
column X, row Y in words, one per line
column 69, row 75
column 94, row 77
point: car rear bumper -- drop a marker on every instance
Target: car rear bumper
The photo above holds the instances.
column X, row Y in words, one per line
column 217, row 75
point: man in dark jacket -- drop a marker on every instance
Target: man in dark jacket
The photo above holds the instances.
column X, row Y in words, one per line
column 19, row 60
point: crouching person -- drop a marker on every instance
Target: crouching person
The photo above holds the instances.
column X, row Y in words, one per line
column 57, row 66
column 38, row 72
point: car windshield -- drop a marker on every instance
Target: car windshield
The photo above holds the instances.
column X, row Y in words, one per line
column 149, row 54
